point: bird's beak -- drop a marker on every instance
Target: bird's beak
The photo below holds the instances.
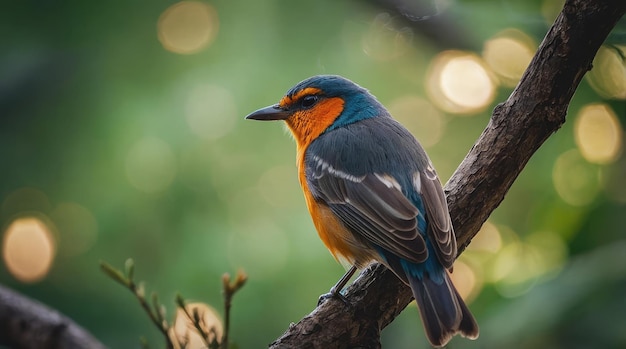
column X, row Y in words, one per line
column 273, row 112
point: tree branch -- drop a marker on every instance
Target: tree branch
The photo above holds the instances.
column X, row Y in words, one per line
column 518, row 127
column 26, row 324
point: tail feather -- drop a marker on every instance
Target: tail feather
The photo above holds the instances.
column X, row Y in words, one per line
column 442, row 310
column 468, row 327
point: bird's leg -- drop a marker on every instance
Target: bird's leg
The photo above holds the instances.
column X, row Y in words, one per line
column 335, row 291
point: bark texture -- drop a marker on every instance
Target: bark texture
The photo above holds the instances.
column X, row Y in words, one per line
column 518, row 127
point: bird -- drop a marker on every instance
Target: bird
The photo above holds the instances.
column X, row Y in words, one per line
column 374, row 195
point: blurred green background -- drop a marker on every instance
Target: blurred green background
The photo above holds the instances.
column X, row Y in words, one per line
column 122, row 135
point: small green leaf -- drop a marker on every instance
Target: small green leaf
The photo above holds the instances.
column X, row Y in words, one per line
column 114, row 273
column 129, row 268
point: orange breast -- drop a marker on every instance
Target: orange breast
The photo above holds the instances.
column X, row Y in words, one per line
column 334, row 235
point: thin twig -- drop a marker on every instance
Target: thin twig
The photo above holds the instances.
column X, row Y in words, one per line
column 229, row 291
column 156, row 313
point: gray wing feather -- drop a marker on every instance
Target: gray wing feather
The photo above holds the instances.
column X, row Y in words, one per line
column 372, row 210
column 440, row 227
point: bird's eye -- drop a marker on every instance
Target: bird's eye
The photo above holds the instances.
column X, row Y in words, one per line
column 309, row 101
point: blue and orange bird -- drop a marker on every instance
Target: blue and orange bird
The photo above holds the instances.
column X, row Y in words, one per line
column 374, row 195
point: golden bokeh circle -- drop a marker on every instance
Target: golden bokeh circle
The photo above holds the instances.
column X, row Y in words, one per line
column 508, row 54
column 28, row 248
column 187, row 27
column 598, row 134
column 460, row 82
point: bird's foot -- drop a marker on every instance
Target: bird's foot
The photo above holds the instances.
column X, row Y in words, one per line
column 334, row 293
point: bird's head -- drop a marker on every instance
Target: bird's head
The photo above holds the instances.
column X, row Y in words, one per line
column 320, row 104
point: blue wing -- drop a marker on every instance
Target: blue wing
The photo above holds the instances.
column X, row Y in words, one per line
column 378, row 180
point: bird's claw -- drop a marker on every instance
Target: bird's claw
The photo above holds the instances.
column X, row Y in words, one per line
column 334, row 293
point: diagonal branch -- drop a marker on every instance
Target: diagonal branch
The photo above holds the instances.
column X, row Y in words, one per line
column 518, row 127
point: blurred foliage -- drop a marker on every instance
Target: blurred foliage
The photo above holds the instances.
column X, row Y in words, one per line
column 124, row 144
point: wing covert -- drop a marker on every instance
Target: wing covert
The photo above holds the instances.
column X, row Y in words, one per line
column 372, row 206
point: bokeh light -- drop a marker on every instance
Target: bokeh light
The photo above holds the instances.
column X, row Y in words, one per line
column 520, row 264
column 552, row 250
column 28, row 249
column 515, row 269
column 150, row 165
column 575, row 180
column 184, row 334
column 460, row 83
column 598, row 133
column 608, row 75
column 508, row 54
column 487, row 239
column 417, row 114
column 210, row 111
column 76, row 226
column 187, row 27
column 465, row 280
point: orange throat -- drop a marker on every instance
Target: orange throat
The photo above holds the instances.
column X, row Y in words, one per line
column 307, row 125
